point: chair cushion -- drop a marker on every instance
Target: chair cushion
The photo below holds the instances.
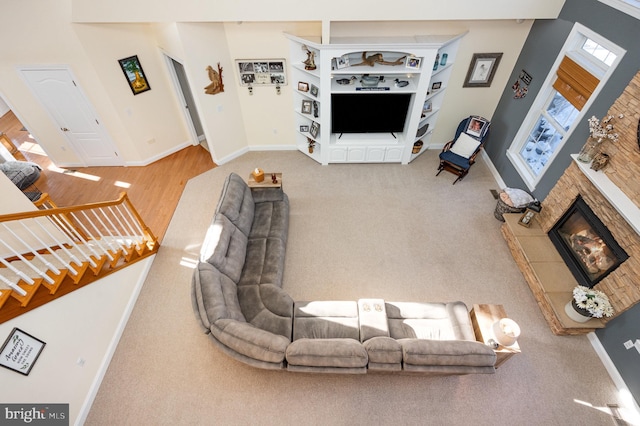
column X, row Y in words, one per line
column 465, row 146
column 455, row 159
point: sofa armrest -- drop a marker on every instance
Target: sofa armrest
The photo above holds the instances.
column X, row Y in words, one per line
column 263, row 195
column 250, row 341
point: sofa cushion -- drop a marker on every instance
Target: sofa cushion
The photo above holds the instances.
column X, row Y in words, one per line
column 271, row 219
column 214, row 295
column 236, row 203
column 264, row 262
column 443, row 352
column 342, row 353
column 250, row 341
column 225, row 247
column 268, row 307
column 440, row 321
column 383, row 350
column 325, row 320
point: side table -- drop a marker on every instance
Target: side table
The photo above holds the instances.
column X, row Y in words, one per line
column 482, row 319
column 267, row 182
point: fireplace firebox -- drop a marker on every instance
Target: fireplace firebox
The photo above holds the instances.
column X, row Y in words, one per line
column 586, row 245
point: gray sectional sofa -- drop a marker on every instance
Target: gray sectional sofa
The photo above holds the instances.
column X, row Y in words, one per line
column 238, row 300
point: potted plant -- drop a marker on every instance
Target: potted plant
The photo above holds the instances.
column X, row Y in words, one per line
column 588, row 303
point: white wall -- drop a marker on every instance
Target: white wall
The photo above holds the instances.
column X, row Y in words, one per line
column 150, row 125
column 81, row 331
column 4, row 108
column 39, row 32
column 308, row 10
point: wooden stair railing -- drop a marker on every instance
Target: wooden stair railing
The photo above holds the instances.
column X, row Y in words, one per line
column 47, row 253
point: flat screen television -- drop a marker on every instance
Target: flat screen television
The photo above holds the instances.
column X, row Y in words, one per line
column 369, row 113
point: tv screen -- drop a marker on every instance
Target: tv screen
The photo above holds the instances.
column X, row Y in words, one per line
column 369, row 113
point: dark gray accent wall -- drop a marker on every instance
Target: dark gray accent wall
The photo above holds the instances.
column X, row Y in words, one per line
column 627, row 361
column 538, row 55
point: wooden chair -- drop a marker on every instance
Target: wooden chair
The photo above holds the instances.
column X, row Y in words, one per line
column 459, row 155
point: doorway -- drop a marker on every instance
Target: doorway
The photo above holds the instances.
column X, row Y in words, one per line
column 183, row 90
column 69, row 108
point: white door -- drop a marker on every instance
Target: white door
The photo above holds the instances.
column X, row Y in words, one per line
column 63, row 99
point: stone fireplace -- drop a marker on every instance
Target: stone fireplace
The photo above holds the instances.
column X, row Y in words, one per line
column 613, row 194
column 586, row 245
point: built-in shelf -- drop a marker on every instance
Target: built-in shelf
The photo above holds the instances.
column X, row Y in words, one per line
column 618, row 199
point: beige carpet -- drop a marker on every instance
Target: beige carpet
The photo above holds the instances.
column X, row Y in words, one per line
column 389, row 231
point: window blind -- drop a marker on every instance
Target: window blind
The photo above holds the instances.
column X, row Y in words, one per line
column 574, row 82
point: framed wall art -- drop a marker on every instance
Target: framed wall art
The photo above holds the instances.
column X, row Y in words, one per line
column 413, row 63
column 20, row 351
column 306, row 106
column 314, row 130
column 261, row 72
column 134, row 74
column 482, row 68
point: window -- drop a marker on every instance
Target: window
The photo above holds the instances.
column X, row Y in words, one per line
column 584, row 64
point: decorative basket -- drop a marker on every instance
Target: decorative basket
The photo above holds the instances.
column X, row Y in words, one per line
column 503, row 207
column 417, row 147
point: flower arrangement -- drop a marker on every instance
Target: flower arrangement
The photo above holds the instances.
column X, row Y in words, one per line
column 603, row 130
column 593, row 301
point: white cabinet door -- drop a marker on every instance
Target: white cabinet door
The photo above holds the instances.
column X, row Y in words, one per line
column 338, row 155
column 393, row 155
column 375, row 154
column 357, row 154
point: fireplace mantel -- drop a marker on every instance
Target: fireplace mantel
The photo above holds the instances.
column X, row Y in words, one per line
column 618, row 199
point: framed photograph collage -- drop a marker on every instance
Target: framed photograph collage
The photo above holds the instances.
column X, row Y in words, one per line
column 261, row 72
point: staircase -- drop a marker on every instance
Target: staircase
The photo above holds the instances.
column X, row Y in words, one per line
column 50, row 252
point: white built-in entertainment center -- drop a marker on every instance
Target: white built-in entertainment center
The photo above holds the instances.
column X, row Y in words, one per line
column 413, row 70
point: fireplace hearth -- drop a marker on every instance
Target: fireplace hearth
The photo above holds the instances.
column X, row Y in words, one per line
column 586, row 245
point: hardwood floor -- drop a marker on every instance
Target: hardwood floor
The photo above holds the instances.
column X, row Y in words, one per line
column 154, row 189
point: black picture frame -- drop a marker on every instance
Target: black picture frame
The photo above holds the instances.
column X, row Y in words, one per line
column 314, row 90
column 134, row 74
column 314, row 130
column 482, row 69
column 304, row 129
column 436, row 86
column 20, row 351
column 306, row 106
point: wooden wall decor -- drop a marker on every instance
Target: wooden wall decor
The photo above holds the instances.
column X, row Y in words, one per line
column 216, row 86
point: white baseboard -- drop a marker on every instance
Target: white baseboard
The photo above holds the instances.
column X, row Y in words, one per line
column 493, row 169
column 242, row 151
column 106, row 360
column 159, row 156
column 632, row 410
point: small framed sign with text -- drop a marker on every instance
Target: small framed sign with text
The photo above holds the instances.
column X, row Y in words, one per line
column 20, row 351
